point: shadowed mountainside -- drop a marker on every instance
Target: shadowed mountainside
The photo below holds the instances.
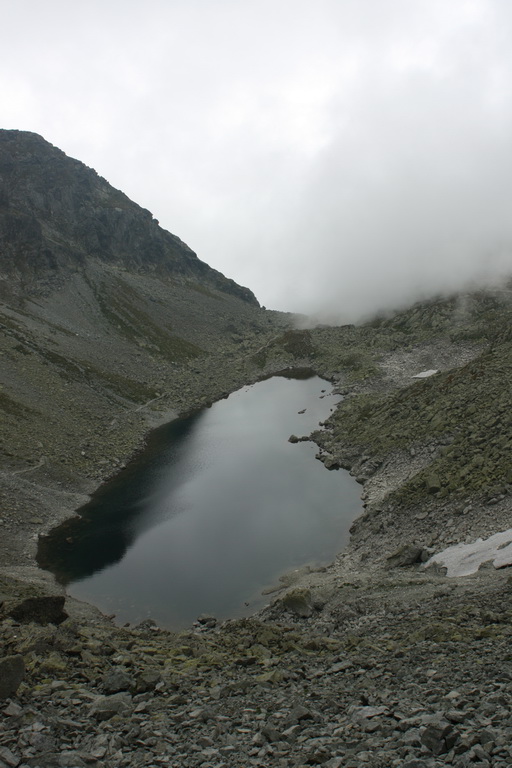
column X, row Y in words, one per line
column 56, row 215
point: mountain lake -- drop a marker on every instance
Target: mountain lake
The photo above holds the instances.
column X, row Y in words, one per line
column 215, row 509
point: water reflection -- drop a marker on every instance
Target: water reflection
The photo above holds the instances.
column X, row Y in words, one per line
column 120, row 510
column 219, row 505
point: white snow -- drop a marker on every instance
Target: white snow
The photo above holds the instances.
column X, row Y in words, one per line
column 463, row 559
column 425, row 374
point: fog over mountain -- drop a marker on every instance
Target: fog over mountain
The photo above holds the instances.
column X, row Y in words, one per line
column 337, row 158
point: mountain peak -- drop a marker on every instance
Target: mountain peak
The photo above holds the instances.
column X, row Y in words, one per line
column 56, row 214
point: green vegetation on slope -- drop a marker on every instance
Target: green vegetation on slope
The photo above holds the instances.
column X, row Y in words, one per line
column 119, row 306
column 464, row 413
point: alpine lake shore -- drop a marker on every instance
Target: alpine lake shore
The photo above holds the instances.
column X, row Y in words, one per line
column 372, row 661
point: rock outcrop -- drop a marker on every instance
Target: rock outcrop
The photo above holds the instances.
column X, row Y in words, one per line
column 56, row 215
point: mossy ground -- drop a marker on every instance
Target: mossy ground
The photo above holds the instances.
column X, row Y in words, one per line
column 464, row 412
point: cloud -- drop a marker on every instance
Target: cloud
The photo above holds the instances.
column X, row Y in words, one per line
column 338, row 158
column 411, row 196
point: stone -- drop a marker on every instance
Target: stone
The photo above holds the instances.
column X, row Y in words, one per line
column 272, row 734
column 435, row 736
column 12, row 710
column 202, row 714
column 433, row 484
column 48, row 609
column 106, row 707
column 365, row 713
column 70, row 759
column 455, row 716
column 299, row 602
column 299, row 713
column 12, row 672
column 409, row 554
column 117, row 680
column 334, row 762
column 341, row 666
column 8, row 758
column 318, row 756
column 206, row 620
column 147, row 681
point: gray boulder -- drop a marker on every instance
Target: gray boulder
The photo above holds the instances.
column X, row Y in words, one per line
column 299, row 602
column 433, row 483
column 48, row 609
column 148, row 681
column 409, row 554
column 106, row 707
column 117, row 680
column 12, row 672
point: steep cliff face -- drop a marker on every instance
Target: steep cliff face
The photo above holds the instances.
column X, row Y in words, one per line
column 56, row 215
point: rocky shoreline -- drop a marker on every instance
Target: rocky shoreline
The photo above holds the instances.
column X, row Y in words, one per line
column 39, row 491
column 381, row 682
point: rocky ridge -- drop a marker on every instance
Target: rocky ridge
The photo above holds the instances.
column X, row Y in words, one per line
column 61, row 215
column 374, row 661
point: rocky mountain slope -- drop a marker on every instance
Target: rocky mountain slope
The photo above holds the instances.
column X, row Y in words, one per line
column 108, row 325
column 374, row 661
column 57, row 216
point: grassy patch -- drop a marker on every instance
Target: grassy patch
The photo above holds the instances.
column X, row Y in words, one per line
column 69, row 370
column 119, row 307
column 137, row 391
column 456, row 410
column 259, row 359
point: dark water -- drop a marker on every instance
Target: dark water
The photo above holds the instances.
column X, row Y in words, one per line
column 218, row 506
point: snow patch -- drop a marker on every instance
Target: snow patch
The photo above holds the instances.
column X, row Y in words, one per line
column 464, row 559
column 425, row 374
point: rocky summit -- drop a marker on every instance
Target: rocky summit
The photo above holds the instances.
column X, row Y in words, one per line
column 111, row 326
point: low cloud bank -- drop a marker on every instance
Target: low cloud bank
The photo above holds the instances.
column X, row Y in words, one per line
column 412, row 195
column 337, row 158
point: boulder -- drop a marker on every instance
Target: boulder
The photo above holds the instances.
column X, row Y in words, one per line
column 12, row 672
column 299, row 602
column 106, row 707
column 117, row 680
column 148, row 681
column 207, row 620
column 41, row 610
column 433, row 483
column 8, row 759
column 409, row 554
column 439, row 737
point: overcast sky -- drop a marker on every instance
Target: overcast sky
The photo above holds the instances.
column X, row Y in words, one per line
column 336, row 156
